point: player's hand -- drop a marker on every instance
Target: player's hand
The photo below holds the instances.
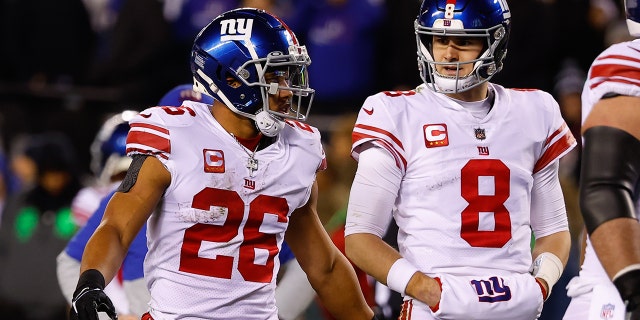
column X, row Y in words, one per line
column 89, row 298
column 425, row 289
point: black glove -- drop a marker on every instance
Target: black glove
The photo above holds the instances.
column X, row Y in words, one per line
column 89, row 298
column 628, row 285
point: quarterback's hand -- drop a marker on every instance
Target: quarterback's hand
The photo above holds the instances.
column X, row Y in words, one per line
column 89, row 299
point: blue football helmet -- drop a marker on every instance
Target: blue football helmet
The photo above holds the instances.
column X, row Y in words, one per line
column 108, row 150
column 633, row 17
column 245, row 45
column 487, row 19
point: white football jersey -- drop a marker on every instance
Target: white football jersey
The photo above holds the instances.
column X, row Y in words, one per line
column 616, row 70
column 213, row 245
column 463, row 206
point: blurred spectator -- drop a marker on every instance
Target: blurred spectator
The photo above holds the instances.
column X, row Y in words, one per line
column 396, row 52
column 109, row 164
column 341, row 37
column 140, row 60
column 44, row 42
column 36, row 225
column 554, row 37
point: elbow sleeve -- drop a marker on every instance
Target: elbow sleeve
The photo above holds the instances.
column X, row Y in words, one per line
column 609, row 175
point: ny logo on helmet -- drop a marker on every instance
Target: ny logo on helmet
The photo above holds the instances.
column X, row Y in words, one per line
column 236, row 29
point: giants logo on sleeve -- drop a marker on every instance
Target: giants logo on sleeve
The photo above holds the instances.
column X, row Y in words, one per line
column 435, row 135
column 236, row 29
column 213, row 161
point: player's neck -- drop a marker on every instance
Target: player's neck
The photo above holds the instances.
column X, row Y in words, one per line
column 235, row 124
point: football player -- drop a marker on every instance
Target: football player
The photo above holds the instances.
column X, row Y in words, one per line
column 608, row 183
column 468, row 169
column 234, row 178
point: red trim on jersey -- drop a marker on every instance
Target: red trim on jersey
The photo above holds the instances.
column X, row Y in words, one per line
column 149, row 152
column 384, row 132
column 552, row 152
column 407, row 307
column 618, row 56
column 357, row 136
column 149, row 139
column 614, row 73
column 554, row 134
column 150, row 126
column 592, row 86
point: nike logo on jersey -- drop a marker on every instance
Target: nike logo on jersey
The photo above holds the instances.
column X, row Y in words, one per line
column 435, row 135
column 369, row 112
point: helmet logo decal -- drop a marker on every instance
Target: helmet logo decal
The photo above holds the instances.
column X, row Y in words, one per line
column 236, row 29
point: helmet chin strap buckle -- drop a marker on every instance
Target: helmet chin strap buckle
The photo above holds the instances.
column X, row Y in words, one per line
column 268, row 124
column 273, row 88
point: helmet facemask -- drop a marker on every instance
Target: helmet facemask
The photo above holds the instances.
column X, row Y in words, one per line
column 279, row 71
column 484, row 67
column 259, row 74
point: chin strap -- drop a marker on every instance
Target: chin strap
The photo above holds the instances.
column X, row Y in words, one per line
column 268, row 124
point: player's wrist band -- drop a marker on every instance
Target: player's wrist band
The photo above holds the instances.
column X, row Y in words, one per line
column 399, row 275
column 548, row 267
column 91, row 278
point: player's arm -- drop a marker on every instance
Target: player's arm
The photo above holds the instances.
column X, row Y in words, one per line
column 610, row 175
column 550, row 227
column 373, row 194
column 127, row 211
column 328, row 271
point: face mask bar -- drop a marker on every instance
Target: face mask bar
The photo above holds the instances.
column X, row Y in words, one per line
column 484, row 66
column 293, row 68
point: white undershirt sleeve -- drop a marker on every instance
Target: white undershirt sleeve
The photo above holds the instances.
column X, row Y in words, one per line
column 548, row 211
column 373, row 192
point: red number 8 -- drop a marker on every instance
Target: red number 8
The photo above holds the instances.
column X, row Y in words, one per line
column 485, row 203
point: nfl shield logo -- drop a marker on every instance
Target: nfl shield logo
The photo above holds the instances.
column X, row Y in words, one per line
column 607, row 311
column 480, row 135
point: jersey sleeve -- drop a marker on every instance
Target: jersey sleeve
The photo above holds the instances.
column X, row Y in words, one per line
column 149, row 134
column 559, row 139
column 615, row 70
column 375, row 125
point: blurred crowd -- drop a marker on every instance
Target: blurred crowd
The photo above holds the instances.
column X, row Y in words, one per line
column 66, row 65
